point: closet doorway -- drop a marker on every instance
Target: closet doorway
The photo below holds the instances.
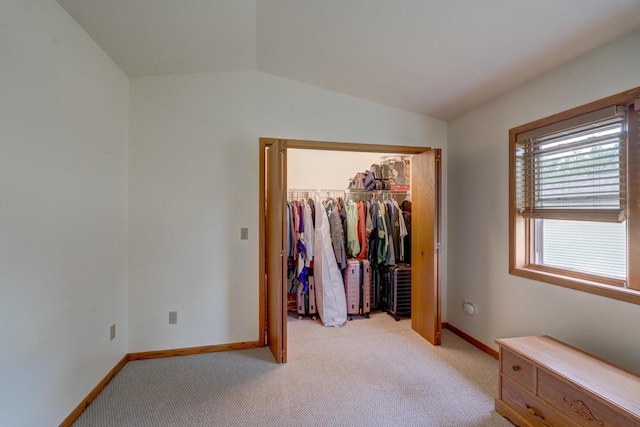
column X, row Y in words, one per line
column 425, row 244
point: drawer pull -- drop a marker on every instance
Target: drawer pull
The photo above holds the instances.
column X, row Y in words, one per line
column 581, row 408
column 516, row 368
column 533, row 411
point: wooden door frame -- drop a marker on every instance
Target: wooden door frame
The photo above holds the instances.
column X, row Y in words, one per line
column 305, row 145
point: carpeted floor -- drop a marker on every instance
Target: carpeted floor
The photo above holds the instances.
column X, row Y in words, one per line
column 371, row 372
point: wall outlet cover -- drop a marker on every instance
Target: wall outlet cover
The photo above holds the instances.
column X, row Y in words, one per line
column 173, row 317
column 469, row 308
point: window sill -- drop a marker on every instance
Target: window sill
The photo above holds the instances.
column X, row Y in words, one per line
column 622, row 294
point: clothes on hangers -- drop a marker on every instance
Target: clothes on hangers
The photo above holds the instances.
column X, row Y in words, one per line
column 343, row 219
column 300, row 244
column 383, row 244
column 403, row 232
column 362, row 233
column 376, row 229
column 337, row 234
column 353, row 244
column 309, row 233
column 388, row 217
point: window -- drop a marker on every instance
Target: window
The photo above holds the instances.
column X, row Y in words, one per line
column 574, row 209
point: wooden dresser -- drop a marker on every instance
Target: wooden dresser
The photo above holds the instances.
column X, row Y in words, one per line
column 544, row 382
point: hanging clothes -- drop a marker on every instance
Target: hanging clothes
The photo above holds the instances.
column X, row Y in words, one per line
column 290, row 232
column 337, row 233
column 368, row 225
column 296, row 225
column 302, row 251
column 374, row 240
column 343, row 219
column 362, row 233
column 395, row 226
column 383, row 241
column 309, row 233
column 353, row 246
column 391, row 252
column 330, row 297
column 403, row 232
column 406, row 213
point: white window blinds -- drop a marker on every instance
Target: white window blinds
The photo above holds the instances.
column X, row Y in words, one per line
column 598, row 248
column 574, row 169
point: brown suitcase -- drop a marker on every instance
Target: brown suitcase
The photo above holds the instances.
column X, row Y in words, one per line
column 357, row 287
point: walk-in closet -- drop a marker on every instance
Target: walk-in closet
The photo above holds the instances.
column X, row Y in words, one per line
column 349, row 230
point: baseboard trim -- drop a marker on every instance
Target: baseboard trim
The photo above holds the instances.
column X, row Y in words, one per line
column 73, row 416
column 491, row 352
column 189, row 351
column 152, row 355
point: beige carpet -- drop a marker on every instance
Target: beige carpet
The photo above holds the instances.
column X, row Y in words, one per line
column 372, row 372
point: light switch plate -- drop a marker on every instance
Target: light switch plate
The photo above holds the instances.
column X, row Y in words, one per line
column 244, row 234
column 112, row 332
column 173, row 317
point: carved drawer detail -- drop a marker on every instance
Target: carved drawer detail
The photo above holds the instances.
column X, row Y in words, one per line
column 579, row 406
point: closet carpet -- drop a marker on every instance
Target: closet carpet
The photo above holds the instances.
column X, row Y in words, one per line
column 371, row 372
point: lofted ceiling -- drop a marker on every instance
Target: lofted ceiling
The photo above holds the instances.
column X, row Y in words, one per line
column 439, row 58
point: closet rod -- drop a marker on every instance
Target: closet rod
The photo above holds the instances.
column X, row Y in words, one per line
column 302, row 193
column 359, row 191
column 344, row 190
column 313, row 190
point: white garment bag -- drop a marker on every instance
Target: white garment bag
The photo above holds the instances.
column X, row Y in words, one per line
column 330, row 297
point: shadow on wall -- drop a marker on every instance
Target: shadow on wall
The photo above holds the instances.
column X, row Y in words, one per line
column 236, row 198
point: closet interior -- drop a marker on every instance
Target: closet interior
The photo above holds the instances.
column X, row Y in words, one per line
column 374, row 212
column 362, row 202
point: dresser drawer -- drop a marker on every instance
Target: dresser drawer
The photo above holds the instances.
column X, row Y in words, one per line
column 530, row 408
column 518, row 369
column 578, row 405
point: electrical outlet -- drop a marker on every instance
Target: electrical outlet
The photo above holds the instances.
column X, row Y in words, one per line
column 113, row 332
column 469, row 308
column 173, row 317
column 244, row 234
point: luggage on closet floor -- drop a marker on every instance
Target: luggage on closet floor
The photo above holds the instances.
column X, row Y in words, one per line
column 306, row 303
column 379, row 286
column 399, row 295
column 357, row 287
column 375, row 296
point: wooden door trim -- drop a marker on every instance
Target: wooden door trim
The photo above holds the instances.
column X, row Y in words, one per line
column 438, row 236
column 264, row 143
column 345, row 146
column 262, row 243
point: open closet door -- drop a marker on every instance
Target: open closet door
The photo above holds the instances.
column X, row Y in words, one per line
column 425, row 245
column 275, row 251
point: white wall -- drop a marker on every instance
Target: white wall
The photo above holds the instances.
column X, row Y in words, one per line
column 63, row 213
column 478, row 217
column 194, row 184
column 329, row 170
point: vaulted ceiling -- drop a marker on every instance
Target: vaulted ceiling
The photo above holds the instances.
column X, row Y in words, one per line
column 435, row 57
